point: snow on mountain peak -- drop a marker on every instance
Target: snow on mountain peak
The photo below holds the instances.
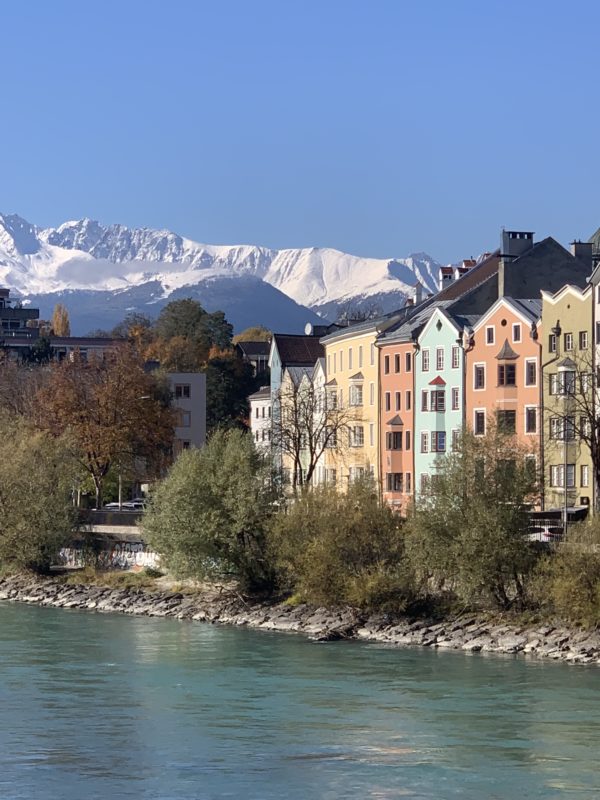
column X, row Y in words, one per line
column 84, row 254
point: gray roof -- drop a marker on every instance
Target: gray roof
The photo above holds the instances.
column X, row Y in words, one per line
column 529, row 307
column 297, row 373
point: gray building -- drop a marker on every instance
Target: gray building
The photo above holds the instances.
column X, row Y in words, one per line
column 189, row 401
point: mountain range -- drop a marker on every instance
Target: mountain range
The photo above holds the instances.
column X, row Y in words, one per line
column 100, row 272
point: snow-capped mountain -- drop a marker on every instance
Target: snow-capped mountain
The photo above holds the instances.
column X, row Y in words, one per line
column 142, row 268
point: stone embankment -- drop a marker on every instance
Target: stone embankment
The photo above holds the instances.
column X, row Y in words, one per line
column 467, row 632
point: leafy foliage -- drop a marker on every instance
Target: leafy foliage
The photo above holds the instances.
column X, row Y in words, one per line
column 333, row 548
column 256, row 333
column 468, row 532
column 36, row 477
column 209, row 515
column 61, row 324
column 229, row 382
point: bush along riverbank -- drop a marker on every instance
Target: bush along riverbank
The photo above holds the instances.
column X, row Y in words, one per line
column 468, row 632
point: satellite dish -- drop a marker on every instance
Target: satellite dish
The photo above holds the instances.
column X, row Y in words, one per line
column 308, row 329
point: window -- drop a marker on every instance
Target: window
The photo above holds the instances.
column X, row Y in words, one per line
column 407, row 440
column 479, row 423
column 372, row 394
column 479, row 377
column 507, row 375
column 330, row 437
column 397, row 362
column 568, row 342
column 425, row 360
column 335, row 362
column 556, row 427
column 185, row 420
column 455, row 398
column 424, row 396
column 263, row 412
column 331, row 476
column 257, row 412
column 388, row 402
column 408, row 399
column 357, row 438
column 372, row 355
column 350, row 359
column 490, row 334
column 386, row 365
column 332, row 399
column 530, row 373
column 329, row 364
column 585, row 381
column 424, row 442
column 530, row 419
column 360, row 356
column 424, row 482
column 393, row 440
column 438, row 441
column 408, row 362
column 566, row 382
column 185, row 445
column 341, row 360
column 407, row 482
column 507, row 421
column 455, row 357
column 584, row 479
column 398, row 401
column 394, row 482
column 585, row 427
column 557, row 475
column 439, row 358
column 583, row 340
column 516, row 332
column 569, row 428
column 438, row 400
column 372, row 434
column 552, row 343
column 455, row 438
column 356, row 394
column 182, row 390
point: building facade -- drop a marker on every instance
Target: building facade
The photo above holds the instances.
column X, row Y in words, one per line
column 188, row 390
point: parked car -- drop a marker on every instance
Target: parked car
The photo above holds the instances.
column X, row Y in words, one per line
column 544, row 533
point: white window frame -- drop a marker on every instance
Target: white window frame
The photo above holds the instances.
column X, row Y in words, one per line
column 569, row 342
column 475, row 366
column 537, row 422
column 439, row 358
column 360, row 356
column 491, row 328
column 371, row 394
column 584, row 476
column 455, row 393
column 455, row 356
column 350, row 358
column 424, row 441
column 425, row 359
column 530, row 361
column 475, row 412
column 516, row 326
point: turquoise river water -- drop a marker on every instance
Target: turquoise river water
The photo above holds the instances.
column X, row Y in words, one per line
column 107, row 706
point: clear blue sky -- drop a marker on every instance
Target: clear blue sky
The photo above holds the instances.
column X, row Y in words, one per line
column 375, row 127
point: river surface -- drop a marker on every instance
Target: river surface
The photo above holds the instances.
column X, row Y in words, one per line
column 108, row 706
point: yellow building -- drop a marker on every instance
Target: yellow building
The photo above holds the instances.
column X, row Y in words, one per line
column 568, row 408
column 351, row 363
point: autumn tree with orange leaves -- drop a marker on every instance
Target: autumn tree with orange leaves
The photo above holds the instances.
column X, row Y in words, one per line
column 115, row 413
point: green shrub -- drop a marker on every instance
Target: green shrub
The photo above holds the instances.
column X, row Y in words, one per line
column 568, row 579
column 208, row 517
column 332, row 548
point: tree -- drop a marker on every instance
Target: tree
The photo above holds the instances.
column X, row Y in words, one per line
column 335, row 548
column 60, row 321
column 358, row 312
column 133, row 323
column 257, row 333
column 115, row 413
column 36, row 479
column 306, row 421
column 208, row 517
column 468, row 531
column 229, row 382
column 180, row 318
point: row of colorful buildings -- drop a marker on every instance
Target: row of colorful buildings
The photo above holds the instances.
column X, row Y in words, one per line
column 510, row 339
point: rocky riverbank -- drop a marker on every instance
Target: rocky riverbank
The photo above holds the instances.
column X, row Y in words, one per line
column 467, row 632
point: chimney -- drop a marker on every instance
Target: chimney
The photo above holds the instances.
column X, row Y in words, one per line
column 417, row 293
column 515, row 243
column 582, row 250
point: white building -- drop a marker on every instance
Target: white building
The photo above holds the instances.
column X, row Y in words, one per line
column 189, row 401
column 260, row 417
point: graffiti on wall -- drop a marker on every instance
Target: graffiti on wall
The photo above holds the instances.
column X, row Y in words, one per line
column 118, row 555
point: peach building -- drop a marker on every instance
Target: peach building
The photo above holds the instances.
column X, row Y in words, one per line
column 503, row 371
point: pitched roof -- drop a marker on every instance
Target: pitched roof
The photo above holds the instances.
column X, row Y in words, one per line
column 357, row 377
column 506, row 352
column 263, row 394
column 437, row 381
column 395, row 420
column 297, row 350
